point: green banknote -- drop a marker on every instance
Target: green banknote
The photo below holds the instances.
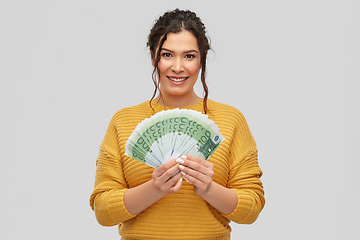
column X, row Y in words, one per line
column 172, row 133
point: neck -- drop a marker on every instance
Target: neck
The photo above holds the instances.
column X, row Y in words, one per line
column 178, row 101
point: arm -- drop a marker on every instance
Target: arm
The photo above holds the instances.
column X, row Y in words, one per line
column 221, row 198
column 113, row 202
column 200, row 173
column 244, row 171
column 241, row 200
column 242, row 178
column 139, row 198
column 110, row 186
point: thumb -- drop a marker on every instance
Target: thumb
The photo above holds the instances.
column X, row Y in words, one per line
column 177, row 186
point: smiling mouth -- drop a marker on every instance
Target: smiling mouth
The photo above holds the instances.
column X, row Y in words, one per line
column 177, row 79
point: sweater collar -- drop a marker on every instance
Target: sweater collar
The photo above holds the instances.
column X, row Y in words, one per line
column 158, row 107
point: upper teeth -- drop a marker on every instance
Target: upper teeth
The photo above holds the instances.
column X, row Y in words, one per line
column 178, row 79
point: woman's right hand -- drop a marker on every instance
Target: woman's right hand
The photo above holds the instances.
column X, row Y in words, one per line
column 164, row 178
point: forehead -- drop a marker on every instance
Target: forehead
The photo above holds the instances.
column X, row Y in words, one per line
column 181, row 41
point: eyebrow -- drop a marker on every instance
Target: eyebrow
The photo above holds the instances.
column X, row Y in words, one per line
column 189, row 51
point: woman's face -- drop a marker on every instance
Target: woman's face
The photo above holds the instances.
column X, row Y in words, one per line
column 179, row 65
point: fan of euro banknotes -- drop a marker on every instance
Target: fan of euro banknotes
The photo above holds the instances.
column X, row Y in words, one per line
column 170, row 134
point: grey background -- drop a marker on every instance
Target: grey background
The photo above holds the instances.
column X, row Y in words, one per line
column 292, row 67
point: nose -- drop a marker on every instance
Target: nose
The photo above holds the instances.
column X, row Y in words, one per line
column 177, row 65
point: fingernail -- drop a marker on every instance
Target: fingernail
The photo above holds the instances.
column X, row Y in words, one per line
column 183, row 173
column 180, row 179
column 181, row 167
column 183, row 157
column 179, row 160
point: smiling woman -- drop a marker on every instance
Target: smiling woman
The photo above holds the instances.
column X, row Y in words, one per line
column 156, row 204
column 179, row 68
column 191, row 35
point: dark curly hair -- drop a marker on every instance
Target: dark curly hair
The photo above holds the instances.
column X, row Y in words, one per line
column 173, row 22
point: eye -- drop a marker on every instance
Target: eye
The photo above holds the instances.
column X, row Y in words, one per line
column 167, row 55
column 189, row 56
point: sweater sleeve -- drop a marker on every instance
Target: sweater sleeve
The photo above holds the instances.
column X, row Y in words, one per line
column 244, row 175
column 110, row 184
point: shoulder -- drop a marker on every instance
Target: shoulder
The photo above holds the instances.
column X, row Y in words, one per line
column 133, row 113
column 232, row 124
column 139, row 107
column 224, row 111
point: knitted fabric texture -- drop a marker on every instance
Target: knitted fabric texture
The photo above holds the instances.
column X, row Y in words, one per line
column 183, row 215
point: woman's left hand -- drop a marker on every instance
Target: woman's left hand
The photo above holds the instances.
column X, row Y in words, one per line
column 198, row 171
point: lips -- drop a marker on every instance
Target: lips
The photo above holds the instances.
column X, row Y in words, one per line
column 177, row 79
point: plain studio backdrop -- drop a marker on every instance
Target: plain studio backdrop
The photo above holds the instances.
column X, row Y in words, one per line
column 292, row 68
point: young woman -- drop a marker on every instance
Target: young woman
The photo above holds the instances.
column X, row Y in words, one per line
column 157, row 204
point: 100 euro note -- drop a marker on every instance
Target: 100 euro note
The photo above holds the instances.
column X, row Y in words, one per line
column 172, row 133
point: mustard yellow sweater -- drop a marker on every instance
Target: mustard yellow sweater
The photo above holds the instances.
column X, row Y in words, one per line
column 183, row 215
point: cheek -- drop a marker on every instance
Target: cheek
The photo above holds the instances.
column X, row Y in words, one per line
column 194, row 68
column 163, row 66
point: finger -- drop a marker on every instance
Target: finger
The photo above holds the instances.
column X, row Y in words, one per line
column 192, row 180
column 177, row 186
column 195, row 165
column 183, row 175
column 188, row 172
column 170, row 173
column 163, row 168
column 173, row 181
column 198, row 160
